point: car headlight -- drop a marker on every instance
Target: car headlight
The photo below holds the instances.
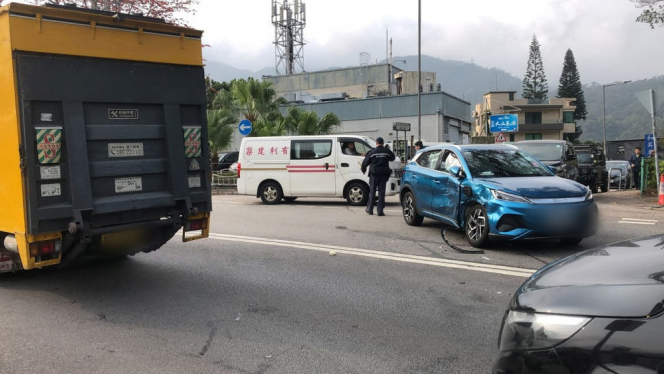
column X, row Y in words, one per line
column 589, row 194
column 530, row 331
column 502, row 195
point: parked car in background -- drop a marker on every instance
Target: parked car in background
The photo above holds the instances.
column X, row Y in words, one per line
column 495, row 192
column 598, row 311
column 557, row 154
column 592, row 167
column 227, row 159
column 620, row 174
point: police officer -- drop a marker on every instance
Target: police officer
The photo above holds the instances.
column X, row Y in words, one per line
column 379, row 159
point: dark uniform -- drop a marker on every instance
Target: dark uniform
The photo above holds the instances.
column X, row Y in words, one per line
column 379, row 173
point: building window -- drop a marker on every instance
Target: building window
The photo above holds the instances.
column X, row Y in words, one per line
column 533, row 136
column 568, row 117
column 512, row 137
column 533, row 118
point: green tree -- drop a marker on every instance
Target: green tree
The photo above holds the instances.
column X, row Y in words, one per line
column 652, row 14
column 570, row 86
column 302, row 122
column 221, row 125
column 255, row 101
column 169, row 10
column 212, row 88
column 535, row 86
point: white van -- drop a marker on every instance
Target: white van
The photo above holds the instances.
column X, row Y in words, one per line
column 288, row 167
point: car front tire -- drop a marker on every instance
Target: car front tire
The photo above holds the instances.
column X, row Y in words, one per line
column 477, row 226
column 409, row 209
column 357, row 194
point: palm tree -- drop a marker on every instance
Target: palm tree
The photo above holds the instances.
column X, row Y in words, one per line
column 303, row 122
column 220, row 129
column 256, row 101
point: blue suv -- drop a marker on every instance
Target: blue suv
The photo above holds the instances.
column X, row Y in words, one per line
column 495, row 192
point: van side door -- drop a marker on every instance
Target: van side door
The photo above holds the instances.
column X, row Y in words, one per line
column 312, row 167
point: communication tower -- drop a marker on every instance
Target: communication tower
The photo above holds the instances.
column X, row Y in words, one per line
column 289, row 20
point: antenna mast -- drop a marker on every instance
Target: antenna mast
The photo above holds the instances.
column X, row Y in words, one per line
column 289, row 21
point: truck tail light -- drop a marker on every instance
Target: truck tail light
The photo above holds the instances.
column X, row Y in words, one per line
column 239, row 166
column 196, row 225
column 45, row 248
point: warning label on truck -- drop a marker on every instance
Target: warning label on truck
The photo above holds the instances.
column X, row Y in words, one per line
column 129, row 184
column 50, row 172
column 49, row 144
column 52, row 189
column 192, row 141
column 123, row 114
column 125, row 149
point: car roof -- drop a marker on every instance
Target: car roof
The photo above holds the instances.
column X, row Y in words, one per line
column 467, row 147
column 541, row 141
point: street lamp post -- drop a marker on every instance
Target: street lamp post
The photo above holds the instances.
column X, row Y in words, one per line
column 606, row 151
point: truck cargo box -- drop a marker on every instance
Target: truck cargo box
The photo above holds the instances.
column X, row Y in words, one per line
column 104, row 137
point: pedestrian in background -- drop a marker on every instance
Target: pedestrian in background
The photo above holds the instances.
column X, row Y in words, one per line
column 635, row 163
column 378, row 162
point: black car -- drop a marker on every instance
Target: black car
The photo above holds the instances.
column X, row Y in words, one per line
column 227, row 159
column 620, row 174
column 592, row 167
column 598, row 311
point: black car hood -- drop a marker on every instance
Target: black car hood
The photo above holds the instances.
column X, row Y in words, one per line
column 625, row 279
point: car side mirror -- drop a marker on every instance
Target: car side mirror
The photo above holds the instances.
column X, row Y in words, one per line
column 570, row 157
column 457, row 172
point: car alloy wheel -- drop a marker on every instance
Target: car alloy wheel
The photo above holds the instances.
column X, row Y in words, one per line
column 271, row 193
column 477, row 227
column 410, row 214
column 357, row 194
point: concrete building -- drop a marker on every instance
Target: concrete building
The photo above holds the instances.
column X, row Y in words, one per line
column 369, row 99
column 536, row 120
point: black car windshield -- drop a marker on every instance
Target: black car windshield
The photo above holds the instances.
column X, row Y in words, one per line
column 584, row 158
column 543, row 151
column 492, row 163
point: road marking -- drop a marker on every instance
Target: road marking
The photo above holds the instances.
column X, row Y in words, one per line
column 636, row 221
column 487, row 268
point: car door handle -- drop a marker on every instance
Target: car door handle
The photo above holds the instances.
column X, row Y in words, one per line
column 344, row 165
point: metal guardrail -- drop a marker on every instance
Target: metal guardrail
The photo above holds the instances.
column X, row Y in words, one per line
column 219, row 180
column 620, row 181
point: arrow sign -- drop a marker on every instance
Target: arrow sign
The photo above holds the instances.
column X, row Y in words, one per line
column 245, row 127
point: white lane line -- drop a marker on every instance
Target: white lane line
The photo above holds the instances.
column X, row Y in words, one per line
column 487, row 268
column 637, row 221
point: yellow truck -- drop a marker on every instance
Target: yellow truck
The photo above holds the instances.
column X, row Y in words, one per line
column 103, row 135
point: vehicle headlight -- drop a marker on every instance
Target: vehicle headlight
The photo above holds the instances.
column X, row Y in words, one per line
column 530, row 331
column 501, row 195
column 589, row 194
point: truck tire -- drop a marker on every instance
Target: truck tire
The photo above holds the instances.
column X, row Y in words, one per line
column 357, row 194
column 605, row 185
column 593, row 185
column 271, row 193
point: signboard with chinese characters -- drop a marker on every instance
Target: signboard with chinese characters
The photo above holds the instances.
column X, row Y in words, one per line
column 504, row 123
column 272, row 150
column 649, row 145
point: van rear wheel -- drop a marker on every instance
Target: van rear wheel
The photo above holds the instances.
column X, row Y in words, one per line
column 271, row 193
column 357, row 194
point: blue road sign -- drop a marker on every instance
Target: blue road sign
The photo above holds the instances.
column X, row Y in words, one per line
column 245, row 127
column 650, row 145
column 504, row 123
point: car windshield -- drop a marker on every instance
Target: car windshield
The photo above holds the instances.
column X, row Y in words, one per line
column 616, row 165
column 584, row 158
column 492, row 163
column 543, row 151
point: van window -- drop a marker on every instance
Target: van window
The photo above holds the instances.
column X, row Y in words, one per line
column 311, row 149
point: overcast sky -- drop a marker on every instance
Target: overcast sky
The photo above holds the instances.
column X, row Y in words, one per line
column 607, row 43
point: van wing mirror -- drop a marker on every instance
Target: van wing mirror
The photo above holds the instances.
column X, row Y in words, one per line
column 571, row 157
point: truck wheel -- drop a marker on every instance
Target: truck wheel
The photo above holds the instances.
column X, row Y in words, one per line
column 605, row 186
column 357, row 194
column 271, row 193
column 410, row 214
column 593, row 185
column 477, row 226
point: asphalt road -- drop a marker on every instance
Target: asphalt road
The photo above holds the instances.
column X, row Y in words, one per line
column 309, row 287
